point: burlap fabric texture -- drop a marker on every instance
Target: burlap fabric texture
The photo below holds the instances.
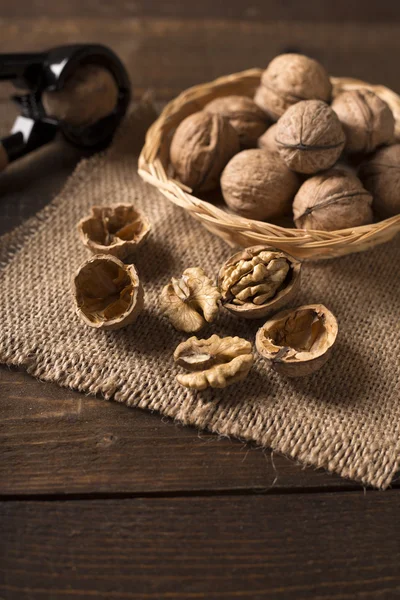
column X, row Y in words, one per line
column 345, row 418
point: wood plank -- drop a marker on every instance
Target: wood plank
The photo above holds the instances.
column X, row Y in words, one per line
column 169, row 55
column 55, row 441
column 320, row 546
column 307, row 10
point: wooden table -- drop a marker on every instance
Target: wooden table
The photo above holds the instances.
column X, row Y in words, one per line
column 98, row 501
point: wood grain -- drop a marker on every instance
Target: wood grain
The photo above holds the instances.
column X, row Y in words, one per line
column 302, row 546
column 307, row 10
column 169, row 55
column 54, row 441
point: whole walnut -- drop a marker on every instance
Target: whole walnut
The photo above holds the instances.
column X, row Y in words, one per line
column 288, row 79
column 202, row 145
column 367, row 120
column 88, row 95
column 243, row 114
column 381, row 176
column 310, row 137
column 258, row 185
column 333, row 200
column 267, row 140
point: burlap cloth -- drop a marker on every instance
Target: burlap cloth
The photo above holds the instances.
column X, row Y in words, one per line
column 344, row 418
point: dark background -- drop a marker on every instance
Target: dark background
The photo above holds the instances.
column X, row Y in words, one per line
column 98, row 501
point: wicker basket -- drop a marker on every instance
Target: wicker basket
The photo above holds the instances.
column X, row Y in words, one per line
column 236, row 230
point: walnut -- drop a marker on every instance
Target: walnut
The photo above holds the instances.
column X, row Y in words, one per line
column 310, row 137
column 257, row 281
column 267, row 140
column 215, row 362
column 381, row 176
column 288, row 79
column 332, row 200
column 258, row 185
column 117, row 229
column 191, row 301
column 201, row 147
column 88, row 95
column 244, row 115
column 298, row 342
column 367, row 120
column 108, row 294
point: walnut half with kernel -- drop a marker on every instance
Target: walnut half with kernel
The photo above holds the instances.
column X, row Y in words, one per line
column 257, row 281
column 191, row 301
column 215, row 362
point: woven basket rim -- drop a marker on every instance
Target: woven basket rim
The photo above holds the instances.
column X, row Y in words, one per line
column 223, row 222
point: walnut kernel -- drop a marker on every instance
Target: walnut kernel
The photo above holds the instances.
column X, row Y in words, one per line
column 191, row 301
column 310, row 137
column 214, row 362
column 298, row 342
column 202, row 145
column 258, row 281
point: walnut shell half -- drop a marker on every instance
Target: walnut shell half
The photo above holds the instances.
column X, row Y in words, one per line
column 191, row 301
column 117, row 229
column 299, row 341
column 107, row 293
column 257, row 281
column 214, row 362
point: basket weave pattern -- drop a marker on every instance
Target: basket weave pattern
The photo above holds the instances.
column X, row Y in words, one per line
column 237, row 230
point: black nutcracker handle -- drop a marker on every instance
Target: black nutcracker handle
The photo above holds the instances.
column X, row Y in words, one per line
column 38, row 72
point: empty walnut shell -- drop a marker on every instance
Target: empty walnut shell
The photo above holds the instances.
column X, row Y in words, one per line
column 258, row 185
column 191, row 301
column 288, row 79
column 202, row 145
column 108, row 294
column 299, row 341
column 214, row 362
column 88, row 95
column 243, row 114
column 118, row 230
column 381, row 176
column 257, row 281
column 310, row 137
column 332, row 200
column 367, row 120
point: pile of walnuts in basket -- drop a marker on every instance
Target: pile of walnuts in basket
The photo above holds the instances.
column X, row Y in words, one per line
column 332, row 162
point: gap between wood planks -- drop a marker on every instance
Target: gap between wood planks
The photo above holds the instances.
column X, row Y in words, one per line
column 188, row 494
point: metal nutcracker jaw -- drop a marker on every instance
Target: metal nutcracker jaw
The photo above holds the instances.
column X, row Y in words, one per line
column 36, row 73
